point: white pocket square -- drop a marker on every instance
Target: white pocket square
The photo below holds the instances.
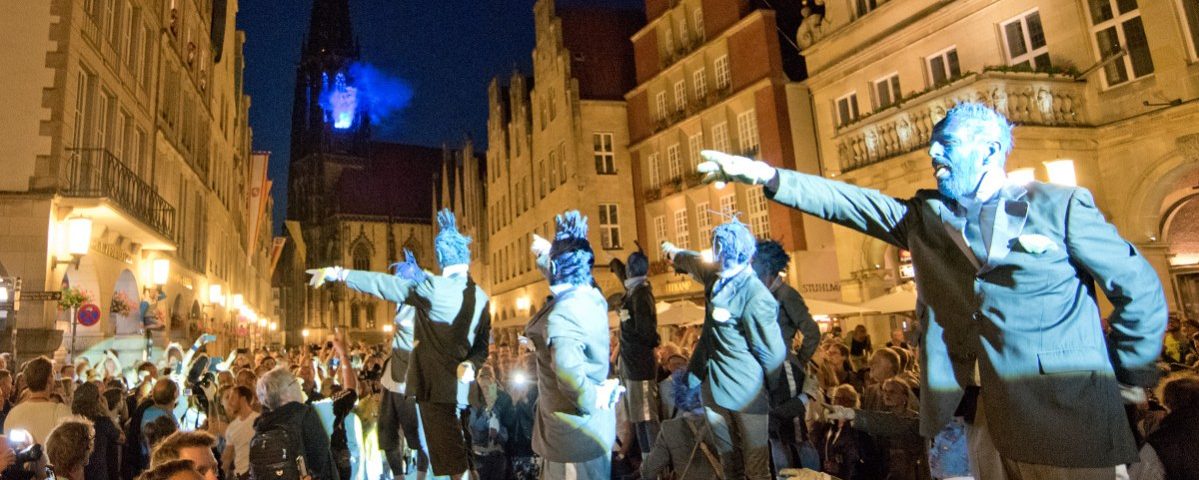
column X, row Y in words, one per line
column 721, row 314
column 1036, row 244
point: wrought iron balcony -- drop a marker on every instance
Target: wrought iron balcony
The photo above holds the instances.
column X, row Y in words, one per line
column 1036, row 99
column 97, row 173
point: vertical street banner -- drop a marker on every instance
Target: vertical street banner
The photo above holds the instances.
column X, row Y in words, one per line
column 259, row 188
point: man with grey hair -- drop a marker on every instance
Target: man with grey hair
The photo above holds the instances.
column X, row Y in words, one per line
column 1006, row 275
column 282, row 400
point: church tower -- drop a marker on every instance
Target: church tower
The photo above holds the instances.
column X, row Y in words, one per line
column 330, row 127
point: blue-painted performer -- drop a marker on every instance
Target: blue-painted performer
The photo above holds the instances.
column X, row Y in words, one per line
column 740, row 350
column 1006, row 276
column 451, row 334
column 638, row 339
column 575, row 426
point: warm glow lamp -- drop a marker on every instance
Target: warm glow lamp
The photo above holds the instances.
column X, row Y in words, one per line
column 1061, row 172
column 79, row 235
column 160, row 271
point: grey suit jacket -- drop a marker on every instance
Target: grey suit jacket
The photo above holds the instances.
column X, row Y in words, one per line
column 570, row 335
column 737, row 359
column 450, row 328
column 1022, row 324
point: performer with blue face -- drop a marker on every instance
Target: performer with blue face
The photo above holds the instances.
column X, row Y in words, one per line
column 575, row 426
column 397, row 411
column 638, row 339
column 740, row 350
column 1006, row 276
column 452, row 328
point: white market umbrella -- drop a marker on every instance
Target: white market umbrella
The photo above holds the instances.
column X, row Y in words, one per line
column 830, row 308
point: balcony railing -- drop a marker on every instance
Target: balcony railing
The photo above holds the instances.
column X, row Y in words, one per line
column 1024, row 98
column 97, row 173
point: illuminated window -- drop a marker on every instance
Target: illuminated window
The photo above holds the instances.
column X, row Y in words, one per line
column 562, row 158
column 674, row 163
column 682, row 235
column 695, row 144
column 747, row 133
column 723, row 76
column 605, row 155
column 703, row 221
column 609, row 219
column 943, row 66
column 661, row 100
column 847, row 109
column 541, row 179
column 1024, row 41
column 886, row 91
column 1116, row 24
column 697, row 17
column 680, row 95
column 728, row 204
column 700, row 81
column 720, row 137
column 655, row 179
column 759, row 221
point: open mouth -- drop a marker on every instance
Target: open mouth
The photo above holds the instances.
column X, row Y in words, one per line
column 941, row 171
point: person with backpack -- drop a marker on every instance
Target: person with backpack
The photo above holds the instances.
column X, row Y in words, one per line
column 451, row 335
column 287, row 430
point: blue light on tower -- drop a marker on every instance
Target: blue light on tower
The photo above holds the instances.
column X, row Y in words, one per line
column 343, row 101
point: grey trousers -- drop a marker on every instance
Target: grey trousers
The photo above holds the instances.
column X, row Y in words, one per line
column 988, row 464
column 599, row 468
column 742, row 441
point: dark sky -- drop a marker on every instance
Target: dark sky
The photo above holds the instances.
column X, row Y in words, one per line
column 446, row 50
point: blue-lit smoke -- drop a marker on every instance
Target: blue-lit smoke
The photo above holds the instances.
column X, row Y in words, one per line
column 363, row 88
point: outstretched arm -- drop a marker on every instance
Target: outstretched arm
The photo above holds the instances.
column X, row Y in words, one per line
column 382, row 285
column 691, row 263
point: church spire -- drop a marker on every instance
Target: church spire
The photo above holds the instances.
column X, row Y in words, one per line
column 330, row 31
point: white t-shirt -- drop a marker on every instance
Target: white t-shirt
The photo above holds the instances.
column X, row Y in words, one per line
column 238, row 435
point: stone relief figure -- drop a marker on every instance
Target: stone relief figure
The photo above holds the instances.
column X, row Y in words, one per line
column 812, row 28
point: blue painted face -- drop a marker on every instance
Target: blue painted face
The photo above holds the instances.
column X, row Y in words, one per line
column 957, row 159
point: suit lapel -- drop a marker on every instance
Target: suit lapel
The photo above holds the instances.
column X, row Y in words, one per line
column 1009, row 222
column 955, row 226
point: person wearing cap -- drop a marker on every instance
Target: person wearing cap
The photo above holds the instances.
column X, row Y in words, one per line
column 740, row 350
column 638, row 339
column 575, row 426
column 451, row 334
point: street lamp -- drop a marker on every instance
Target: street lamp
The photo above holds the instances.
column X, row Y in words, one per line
column 78, row 240
column 160, row 272
column 388, row 328
column 274, row 326
column 522, row 303
column 1061, row 172
column 305, row 333
column 239, row 301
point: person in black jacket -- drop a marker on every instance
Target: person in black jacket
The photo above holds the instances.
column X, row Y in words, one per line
column 769, row 261
column 1173, row 443
column 638, row 339
column 283, row 405
column 88, row 403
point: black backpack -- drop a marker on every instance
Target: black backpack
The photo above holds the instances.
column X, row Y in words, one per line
column 277, row 454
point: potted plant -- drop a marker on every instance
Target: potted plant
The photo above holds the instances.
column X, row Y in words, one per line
column 72, row 298
column 121, row 304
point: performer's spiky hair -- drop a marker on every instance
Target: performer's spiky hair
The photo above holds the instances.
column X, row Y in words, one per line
column 571, row 253
column 638, row 264
column 408, row 269
column 733, row 243
column 770, row 258
column 452, row 247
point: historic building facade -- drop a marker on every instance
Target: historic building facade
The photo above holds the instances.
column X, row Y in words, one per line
column 713, row 75
column 558, row 141
column 460, row 186
column 128, row 156
column 1102, row 93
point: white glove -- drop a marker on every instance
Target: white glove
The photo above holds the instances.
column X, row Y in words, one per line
column 540, row 246
column 1132, row 395
column 837, row 412
column 326, row 274
column 466, row 372
column 721, row 167
column 670, row 250
column 607, row 393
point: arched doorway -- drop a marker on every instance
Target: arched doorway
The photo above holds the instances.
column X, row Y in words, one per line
column 124, row 310
column 1180, row 231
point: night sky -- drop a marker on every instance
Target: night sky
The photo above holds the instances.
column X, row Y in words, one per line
column 446, row 51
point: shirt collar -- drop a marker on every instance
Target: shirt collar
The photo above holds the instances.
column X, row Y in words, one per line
column 633, row 282
column 990, row 185
column 455, row 269
column 560, row 288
